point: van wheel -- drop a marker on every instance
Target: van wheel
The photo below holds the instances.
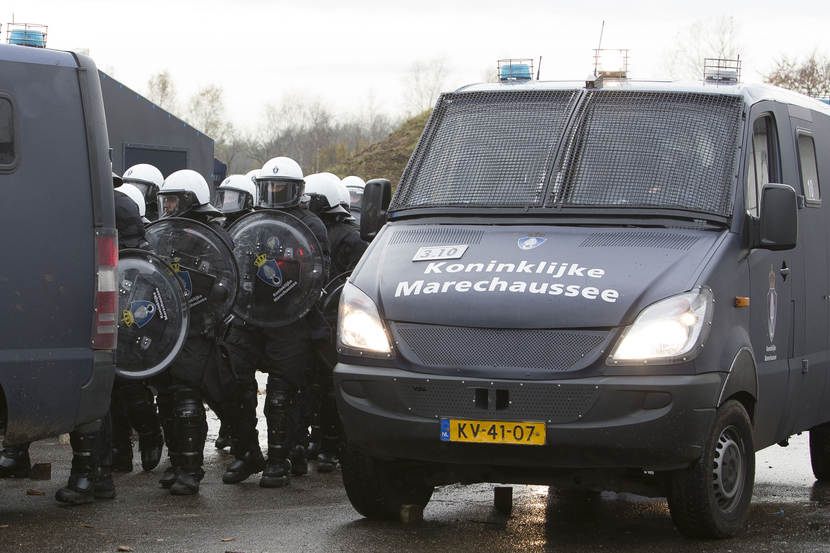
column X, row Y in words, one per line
column 377, row 489
column 710, row 499
column 820, row 452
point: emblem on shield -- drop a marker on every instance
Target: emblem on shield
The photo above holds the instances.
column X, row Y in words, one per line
column 142, row 312
column 772, row 304
column 269, row 271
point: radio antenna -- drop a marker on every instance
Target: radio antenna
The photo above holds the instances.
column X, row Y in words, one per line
column 599, row 47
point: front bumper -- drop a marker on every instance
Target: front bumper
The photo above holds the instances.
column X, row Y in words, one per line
column 621, row 422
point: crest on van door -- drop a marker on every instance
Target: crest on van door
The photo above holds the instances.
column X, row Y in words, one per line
column 772, row 304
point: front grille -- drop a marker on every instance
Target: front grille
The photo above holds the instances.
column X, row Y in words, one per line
column 454, row 347
column 557, row 403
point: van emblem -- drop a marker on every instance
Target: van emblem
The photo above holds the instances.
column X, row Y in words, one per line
column 530, row 242
column 772, row 304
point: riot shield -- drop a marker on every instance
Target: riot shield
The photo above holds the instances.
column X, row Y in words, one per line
column 281, row 268
column 153, row 312
column 204, row 263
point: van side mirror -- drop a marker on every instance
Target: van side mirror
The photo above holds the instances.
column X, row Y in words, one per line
column 376, row 197
column 778, row 223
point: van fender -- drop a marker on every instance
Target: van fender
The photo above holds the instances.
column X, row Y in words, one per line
column 742, row 377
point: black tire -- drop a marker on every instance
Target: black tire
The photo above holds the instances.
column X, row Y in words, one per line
column 820, row 452
column 377, row 489
column 711, row 498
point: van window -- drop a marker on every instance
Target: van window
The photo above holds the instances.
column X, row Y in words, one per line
column 809, row 172
column 762, row 164
column 6, row 132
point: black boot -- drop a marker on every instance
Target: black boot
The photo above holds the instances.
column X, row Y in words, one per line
column 278, row 402
column 150, row 446
column 329, row 456
column 244, row 466
column 170, row 473
column 104, row 487
column 190, row 432
column 122, row 457
column 187, row 481
column 299, row 464
column 80, row 489
column 15, row 462
column 223, row 440
column 277, row 473
column 167, row 420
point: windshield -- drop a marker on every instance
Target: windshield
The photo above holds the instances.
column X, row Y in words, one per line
column 622, row 148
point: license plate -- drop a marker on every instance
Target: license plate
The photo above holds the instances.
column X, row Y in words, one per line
column 440, row 252
column 493, row 432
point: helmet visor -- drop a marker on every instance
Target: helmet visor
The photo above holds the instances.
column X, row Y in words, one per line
column 355, row 197
column 232, row 201
column 144, row 188
column 173, row 204
column 279, row 193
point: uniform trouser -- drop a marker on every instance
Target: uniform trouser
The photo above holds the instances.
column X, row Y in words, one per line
column 330, row 426
column 200, row 372
column 132, row 406
column 285, row 353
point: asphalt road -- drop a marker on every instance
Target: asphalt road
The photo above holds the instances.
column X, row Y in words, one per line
column 789, row 513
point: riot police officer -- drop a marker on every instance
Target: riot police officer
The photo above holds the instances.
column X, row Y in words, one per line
column 199, row 370
column 133, row 404
column 284, row 352
column 147, row 179
column 327, row 195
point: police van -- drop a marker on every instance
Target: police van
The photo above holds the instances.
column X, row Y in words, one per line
column 613, row 285
column 60, row 250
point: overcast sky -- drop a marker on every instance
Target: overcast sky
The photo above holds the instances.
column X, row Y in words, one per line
column 344, row 52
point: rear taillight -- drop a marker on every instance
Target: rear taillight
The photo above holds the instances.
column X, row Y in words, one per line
column 106, row 301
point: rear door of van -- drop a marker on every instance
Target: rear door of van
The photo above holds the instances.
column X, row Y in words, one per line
column 48, row 232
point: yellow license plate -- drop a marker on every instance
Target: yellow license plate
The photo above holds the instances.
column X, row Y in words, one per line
column 493, row 432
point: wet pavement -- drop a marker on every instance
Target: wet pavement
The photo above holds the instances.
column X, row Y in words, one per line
column 789, row 513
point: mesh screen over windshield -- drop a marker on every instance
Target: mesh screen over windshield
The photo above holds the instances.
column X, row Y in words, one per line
column 629, row 149
column 652, row 149
column 486, row 149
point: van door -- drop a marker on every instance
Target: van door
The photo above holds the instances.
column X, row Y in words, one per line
column 809, row 365
column 772, row 273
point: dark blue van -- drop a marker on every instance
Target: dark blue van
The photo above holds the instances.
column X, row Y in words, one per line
column 615, row 286
column 57, row 230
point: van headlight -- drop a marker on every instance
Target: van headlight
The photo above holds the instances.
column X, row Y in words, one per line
column 359, row 328
column 672, row 330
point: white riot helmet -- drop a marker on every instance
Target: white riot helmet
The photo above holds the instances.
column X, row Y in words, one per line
column 328, row 186
column 135, row 195
column 236, row 194
column 280, row 183
column 354, row 186
column 183, row 191
column 146, row 178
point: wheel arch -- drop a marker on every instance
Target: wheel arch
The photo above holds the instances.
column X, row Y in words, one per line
column 741, row 383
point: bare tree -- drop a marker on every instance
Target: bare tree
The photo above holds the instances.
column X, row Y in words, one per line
column 705, row 38
column 810, row 77
column 424, row 83
column 206, row 112
column 162, row 91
